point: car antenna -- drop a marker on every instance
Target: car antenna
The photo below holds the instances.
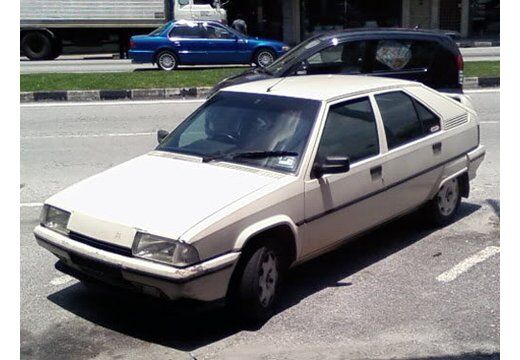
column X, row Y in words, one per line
column 272, row 86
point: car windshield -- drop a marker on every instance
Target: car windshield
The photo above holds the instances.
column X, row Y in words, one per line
column 258, row 130
column 292, row 54
column 159, row 30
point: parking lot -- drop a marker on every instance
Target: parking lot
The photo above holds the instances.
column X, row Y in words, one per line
column 403, row 291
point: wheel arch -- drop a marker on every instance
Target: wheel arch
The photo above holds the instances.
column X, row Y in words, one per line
column 463, row 179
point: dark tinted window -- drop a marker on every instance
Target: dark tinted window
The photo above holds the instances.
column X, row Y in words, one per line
column 350, row 130
column 396, row 55
column 431, row 122
column 399, row 118
column 346, row 58
column 185, row 31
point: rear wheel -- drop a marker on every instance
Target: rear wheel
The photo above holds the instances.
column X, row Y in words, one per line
column 264, row 57
column 443, row 207
column 37, row 45
column 167, row 61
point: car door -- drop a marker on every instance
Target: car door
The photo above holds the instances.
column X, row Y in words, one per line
column 413, row 151
column 185, row 38
column 222, row 45
column 341, row 205
column 339, row 58
column 406, row 59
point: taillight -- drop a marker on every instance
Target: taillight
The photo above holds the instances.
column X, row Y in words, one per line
column 460, row 68
column 132, row 44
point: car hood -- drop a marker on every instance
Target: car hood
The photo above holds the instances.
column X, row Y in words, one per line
column 158, row 193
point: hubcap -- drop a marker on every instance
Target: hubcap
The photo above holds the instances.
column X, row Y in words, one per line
column 268, row 278
column 448, row 196
column 265, row 58
column 167, row 61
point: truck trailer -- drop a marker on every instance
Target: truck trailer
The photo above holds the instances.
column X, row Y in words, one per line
column 47, row 26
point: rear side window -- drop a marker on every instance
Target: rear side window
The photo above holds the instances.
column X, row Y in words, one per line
column 350, row 130
column 346, row 58
column 402, row 125
column 398, row 55
column 185, row 31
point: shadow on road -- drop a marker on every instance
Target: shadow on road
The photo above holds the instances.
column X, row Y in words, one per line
column 185, row 328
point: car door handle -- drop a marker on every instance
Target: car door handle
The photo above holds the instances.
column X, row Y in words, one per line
column 437, row 147
column 376, row 172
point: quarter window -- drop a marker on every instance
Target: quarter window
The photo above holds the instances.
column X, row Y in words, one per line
column 399, row 118
column 350, row 130
column 431, row 122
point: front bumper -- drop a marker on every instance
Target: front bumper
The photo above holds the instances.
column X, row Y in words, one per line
column 207, row 281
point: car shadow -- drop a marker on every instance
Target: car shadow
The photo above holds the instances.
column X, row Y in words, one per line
column 186, row 327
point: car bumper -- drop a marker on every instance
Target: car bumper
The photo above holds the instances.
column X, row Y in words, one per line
column 141, row 56
column 475, row 158
column 207, row 281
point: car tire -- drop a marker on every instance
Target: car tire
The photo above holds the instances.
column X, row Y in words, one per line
column 167, row 61
column 264, row 57
column 442, row 209
column 37, row 45
column 257, row 285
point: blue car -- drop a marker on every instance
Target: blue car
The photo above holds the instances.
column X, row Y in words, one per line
column 200, row 43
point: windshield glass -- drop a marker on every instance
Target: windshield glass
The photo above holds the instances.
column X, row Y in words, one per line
column 253, row 129
column 159, row 30
column 292, row 54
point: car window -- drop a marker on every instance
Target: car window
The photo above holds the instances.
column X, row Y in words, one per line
column 430, row 122
column 398, row 55
column 400, row 119
column 350, row 130
column 231, row 123
column 185, row 31
column 215, row 32
column 345, row 58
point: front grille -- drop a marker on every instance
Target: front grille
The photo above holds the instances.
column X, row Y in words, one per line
column 100, row 244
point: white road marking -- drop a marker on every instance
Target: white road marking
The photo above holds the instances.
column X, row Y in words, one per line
column 467, row 264
column 87, row 135
column 61, row 280
column 34, row 204
column 124, row 102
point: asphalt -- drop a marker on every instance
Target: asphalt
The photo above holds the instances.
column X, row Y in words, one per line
column 78, row 64
column 375, row 298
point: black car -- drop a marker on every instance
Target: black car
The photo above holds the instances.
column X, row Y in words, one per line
column 430, row 57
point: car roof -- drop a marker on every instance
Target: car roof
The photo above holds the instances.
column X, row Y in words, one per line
column 320, row 87
column 404, row 32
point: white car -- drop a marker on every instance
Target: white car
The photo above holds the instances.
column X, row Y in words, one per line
column 260, row 178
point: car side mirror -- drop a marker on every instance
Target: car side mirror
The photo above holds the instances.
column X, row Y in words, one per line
column 332, row 165
column 161, row 134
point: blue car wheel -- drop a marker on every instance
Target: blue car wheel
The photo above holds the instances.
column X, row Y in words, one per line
column 264, row 57
column 167, row 61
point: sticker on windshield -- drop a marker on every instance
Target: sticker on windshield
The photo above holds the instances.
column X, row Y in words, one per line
column 286, row 161
column 393, row 54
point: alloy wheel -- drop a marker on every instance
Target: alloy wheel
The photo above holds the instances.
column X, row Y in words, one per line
column 447, row 197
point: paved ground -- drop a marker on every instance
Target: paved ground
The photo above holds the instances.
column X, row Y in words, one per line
column 379, row 297
column 75, row 64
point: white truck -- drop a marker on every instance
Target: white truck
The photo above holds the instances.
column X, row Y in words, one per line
column 47, row 26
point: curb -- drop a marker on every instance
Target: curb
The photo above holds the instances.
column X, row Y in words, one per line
column 173, row 93
column 467, row 43
column 131, row 94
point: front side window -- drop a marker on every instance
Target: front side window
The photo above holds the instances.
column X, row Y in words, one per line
column 350, row 130
column 345, row 58
column 400, row 119
column 401, row 55
column 215, row 32
column 247, row 128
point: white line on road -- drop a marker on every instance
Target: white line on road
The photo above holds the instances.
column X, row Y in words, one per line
column 98, row 103
column 35, row 204
column 467, row 264
column 87, row 135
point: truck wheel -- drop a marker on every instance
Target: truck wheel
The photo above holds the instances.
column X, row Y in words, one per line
column 443, row 207
column 37, row 45
column 264, row 57
column 167, row 61
column 256, row 290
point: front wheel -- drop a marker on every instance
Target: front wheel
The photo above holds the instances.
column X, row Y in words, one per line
column 167, row 61
column 264, row 57
column 443, row 207
column 258, row 284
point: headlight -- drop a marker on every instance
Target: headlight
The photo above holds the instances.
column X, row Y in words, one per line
column 285, row 48
column 55, row 219
column 164, row 250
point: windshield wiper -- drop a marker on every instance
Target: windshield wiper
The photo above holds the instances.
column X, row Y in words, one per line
column 248, row 155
